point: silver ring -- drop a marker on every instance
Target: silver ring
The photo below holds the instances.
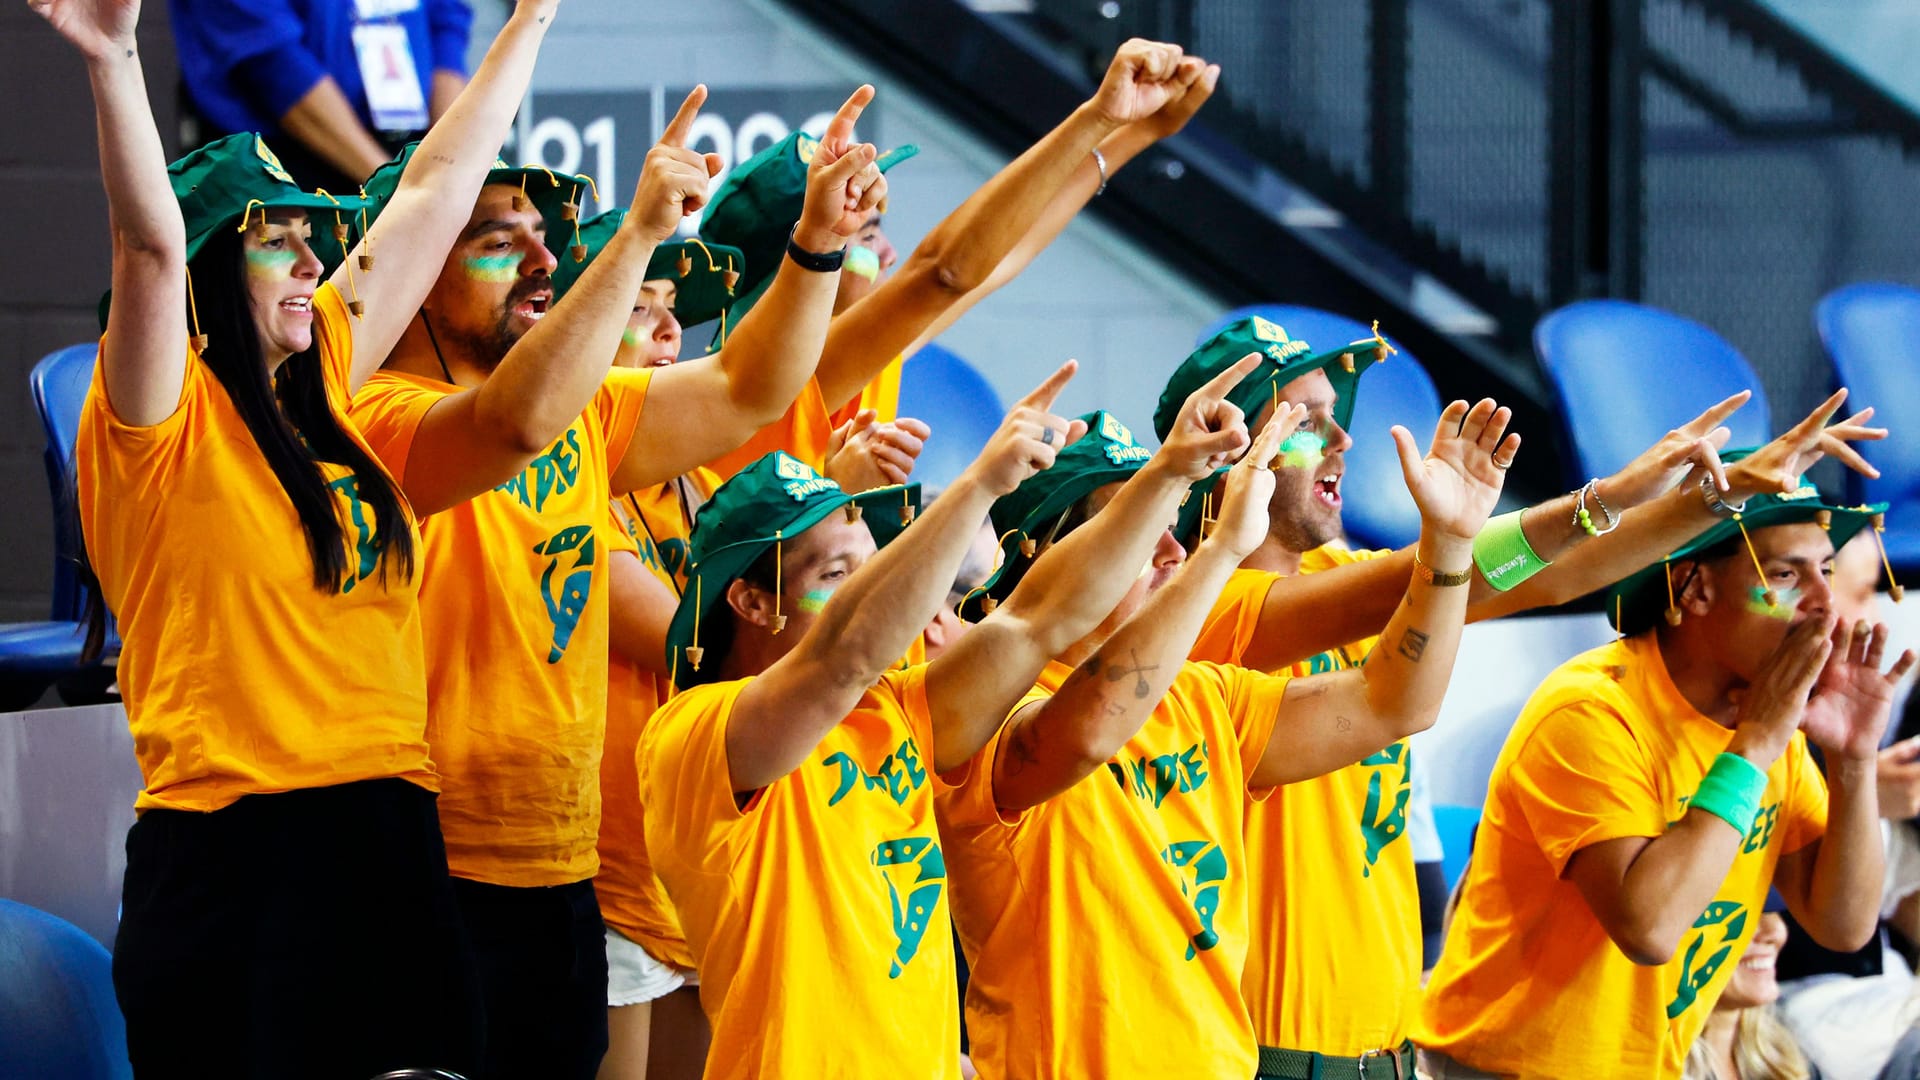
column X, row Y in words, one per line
column 1502, row 465
column 1046, row 436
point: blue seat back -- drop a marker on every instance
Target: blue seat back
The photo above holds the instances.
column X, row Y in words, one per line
column 59, row 384
column 1378, row 512
column 1872, row 333
column 1625, row 374
column 957, row 402
column 58, row 1016
column 1456, row 825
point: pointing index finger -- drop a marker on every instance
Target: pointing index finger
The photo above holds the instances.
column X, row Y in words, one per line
column 1217, row 388
column 840, row 129
column 681, row 126
column 1043, row 395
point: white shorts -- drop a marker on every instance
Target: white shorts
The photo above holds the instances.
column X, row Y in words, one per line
column 634, row 976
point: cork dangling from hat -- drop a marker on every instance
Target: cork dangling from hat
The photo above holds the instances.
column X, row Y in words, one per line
column 694, row 652
column 341, row 234
column 779, row 620
column 1879, row 523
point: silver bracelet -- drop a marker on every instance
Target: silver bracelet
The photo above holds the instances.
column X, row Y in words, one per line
column 1100, row 162
column 1711, row 494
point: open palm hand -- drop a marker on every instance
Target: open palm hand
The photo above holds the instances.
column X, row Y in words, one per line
column 1458, row 483
column 1847, row 711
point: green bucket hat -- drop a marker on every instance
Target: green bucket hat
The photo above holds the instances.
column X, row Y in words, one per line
column 704, row 276
column 555, row 195
column 221, row 184
column 776, row 498
column 755, row 209
column 1639, row 601
column 1030, row 515
column 1284, row 360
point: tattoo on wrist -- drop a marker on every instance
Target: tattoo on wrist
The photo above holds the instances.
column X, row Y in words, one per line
column 1413, row 644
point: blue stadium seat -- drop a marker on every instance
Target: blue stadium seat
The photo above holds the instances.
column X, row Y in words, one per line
column 1456, row 825
column 36, row 654
column 1872, row 332
column 1378, row 512
column 58, row 1016
column 957, row 402
column 1625, row 374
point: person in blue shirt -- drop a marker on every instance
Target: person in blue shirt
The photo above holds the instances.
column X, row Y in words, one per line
column 338, row 86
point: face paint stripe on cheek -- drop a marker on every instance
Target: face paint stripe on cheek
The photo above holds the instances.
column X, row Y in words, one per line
column 1302, row 450
column 1784, row 610
column 863, row 262
column 631, row 338
column 493, row 269
column 814, row 601
column 271, row 264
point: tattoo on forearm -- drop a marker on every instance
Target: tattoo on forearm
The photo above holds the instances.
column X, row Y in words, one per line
column 1342, row 723
column 1141, row 688
column 1413, row 644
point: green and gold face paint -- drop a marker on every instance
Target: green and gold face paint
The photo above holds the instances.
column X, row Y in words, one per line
column 264, row 263
column 1779, row 604
column 632, row 338
column 1303, row 449
column 814, row 601
column 862, row 262
column 493, row 269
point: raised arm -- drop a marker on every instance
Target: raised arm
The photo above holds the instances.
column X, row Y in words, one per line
column 640, row 610
column 413, row 234
column 144, row 359
column 870, row 622
column 468, row 442
column 963, row 250
column 1076, row 583
column 1194, row 84
column 1353, row 601
column 1053, row 744
column 1646, row 892
column 1833, row 885
column 1331, row 722
column 701, row 409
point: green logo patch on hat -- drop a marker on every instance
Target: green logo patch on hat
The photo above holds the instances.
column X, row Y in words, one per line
column 771, row 501
column 1284, row 359
column 1029, row 517
column 704, row 276
column 1638, row 602
column 757, row 205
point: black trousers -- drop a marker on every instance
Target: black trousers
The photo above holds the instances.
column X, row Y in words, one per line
column 542, row 954
column 305, row 934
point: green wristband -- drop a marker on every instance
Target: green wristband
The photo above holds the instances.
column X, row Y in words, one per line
column 1731, row 791
column 1503, row 555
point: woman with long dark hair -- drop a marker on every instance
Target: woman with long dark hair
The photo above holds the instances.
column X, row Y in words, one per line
column 286, row 909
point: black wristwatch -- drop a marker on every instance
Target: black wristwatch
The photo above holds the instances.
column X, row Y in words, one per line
column 819, row 263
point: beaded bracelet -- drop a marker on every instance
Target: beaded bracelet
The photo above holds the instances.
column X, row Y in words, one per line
column 1583, row 519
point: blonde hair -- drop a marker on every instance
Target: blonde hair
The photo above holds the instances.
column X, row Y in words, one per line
column 1763, row 1049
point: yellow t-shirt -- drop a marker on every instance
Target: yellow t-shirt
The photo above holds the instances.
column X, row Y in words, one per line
column 1335, row 962
column 1529, row 983
column 239, row 676
column 882, row 395
column 818, row 913
column 1107, row 927
column 662, row 522
column 803, row 432
column 632, row 899
column 514, row 603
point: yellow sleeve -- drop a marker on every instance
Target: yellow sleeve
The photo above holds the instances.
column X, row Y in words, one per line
column 1253, row 707
column 684, row 778
column 617, row 406
column 1806, row 798
column 1581, row 778
column 333, row 333
column 388, row 411
column 1235, row 617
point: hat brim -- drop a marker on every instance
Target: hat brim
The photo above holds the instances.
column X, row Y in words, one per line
column 1000, row 584
column 330, row 253
column 1639, row 601
column 708, row 580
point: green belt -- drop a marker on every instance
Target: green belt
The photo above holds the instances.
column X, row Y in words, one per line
column 1394, row 1064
